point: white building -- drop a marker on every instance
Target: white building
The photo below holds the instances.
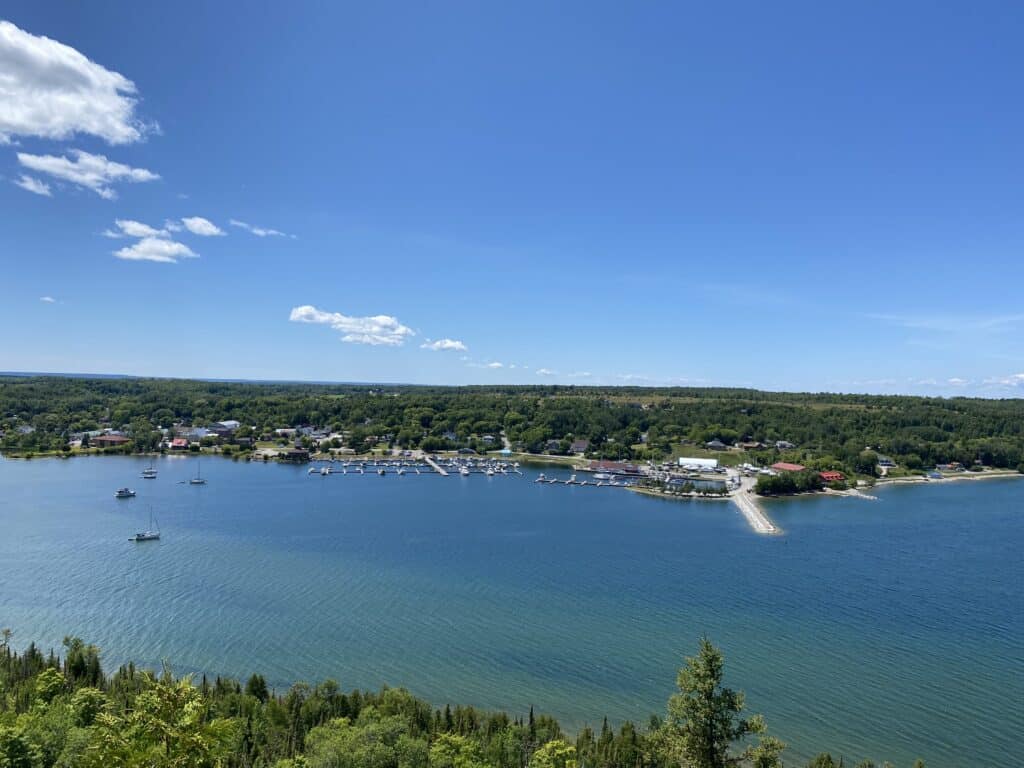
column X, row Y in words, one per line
column 697, row 463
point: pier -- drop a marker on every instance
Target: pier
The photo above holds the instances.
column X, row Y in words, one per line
column 435, row 466
column 747, row 503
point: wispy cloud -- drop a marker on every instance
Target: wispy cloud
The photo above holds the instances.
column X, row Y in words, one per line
column 1013, row 381
column 580, row 375
column 49, row 90
column 47, row 299
column 546, row 372
column 956, row 381
column 157, row 249
column 86, row 170
column 259, row 231
column 440, row 345
column 953, row 323
column 131, row 228
column 197, row 225
column 376, row 330
column 32, row 184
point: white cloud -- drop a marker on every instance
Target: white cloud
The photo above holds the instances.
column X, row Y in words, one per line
column 957, row 382
column 130, row 228
column 1014, row 380
column 93, row 172
column 51, row 91
column 172, row 225
column 197, row 225
column 495, row 365
column 545, row 372
column 444, row 344
column 580, row 375
column 156, row 249
column 376, row 330
column 33, row 184
column 47, row 299
column 258, row 231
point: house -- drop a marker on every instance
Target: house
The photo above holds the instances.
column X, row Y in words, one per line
column 830, row 476
column 953, row 466
column 784, row 445
column 488, row 439
column 224, row 428
column 553, row 445
column 295, row 456
column 580, row 446
column 750, row 445
column 785, row 466
column 109, row 441
column 716, row 445
column 885, row 461
column 179, row 444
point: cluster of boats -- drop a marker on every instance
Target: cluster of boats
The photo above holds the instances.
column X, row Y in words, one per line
column 150, row 473
column 382, row 467
column 606, row 481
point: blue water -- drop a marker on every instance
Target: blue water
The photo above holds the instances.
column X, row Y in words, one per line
column 889, row 629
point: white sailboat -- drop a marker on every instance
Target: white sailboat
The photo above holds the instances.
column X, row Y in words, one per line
column 152, row 534
column 149, row 473
column 198, row 479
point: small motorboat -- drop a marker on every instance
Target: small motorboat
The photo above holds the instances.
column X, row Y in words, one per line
column 124, row 493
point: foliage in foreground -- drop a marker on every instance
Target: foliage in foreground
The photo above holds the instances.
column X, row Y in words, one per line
column 66, row 713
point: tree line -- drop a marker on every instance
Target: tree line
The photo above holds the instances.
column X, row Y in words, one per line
column 845, row 432
column 64, row 712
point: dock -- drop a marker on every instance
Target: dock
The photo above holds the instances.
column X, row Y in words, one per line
column 435, row 466
column 751, row 510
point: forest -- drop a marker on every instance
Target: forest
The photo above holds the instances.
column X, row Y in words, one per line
column 63, row 711
column 827, row 431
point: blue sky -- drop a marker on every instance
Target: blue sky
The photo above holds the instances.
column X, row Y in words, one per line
column 790, row 196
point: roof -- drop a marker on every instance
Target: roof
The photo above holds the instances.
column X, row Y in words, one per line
column 831, row 475
column 785, row 466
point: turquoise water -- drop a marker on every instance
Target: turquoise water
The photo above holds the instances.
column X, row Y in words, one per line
column 889, row 629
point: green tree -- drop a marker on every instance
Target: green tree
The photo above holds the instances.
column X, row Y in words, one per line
column 557, row 753
column 704, row 717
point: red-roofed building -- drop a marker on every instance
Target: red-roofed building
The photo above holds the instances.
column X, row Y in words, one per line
column 832, row 477
column 785, row 466
column 179, row 444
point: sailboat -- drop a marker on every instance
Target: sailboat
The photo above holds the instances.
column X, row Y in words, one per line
column 150, row 535
column 149, row 473
column 198, row 479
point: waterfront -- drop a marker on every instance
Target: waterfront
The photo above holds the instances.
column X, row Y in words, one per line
column 889, row 629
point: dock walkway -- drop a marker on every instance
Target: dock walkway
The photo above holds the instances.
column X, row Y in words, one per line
column 435, row 466
column 744, row 498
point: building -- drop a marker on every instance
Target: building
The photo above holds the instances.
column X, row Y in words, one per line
column 614, row 467
column 785, row 466
column 108, row 441
column 579, row 446
column 784, row 445
column 688, row 463
column 885, row 461
column 179, row 444
column 716, row 445
column 296, row 456
column 831, row 476
column 750, row 445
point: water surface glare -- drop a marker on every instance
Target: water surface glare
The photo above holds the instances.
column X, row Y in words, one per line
column 889, row 629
